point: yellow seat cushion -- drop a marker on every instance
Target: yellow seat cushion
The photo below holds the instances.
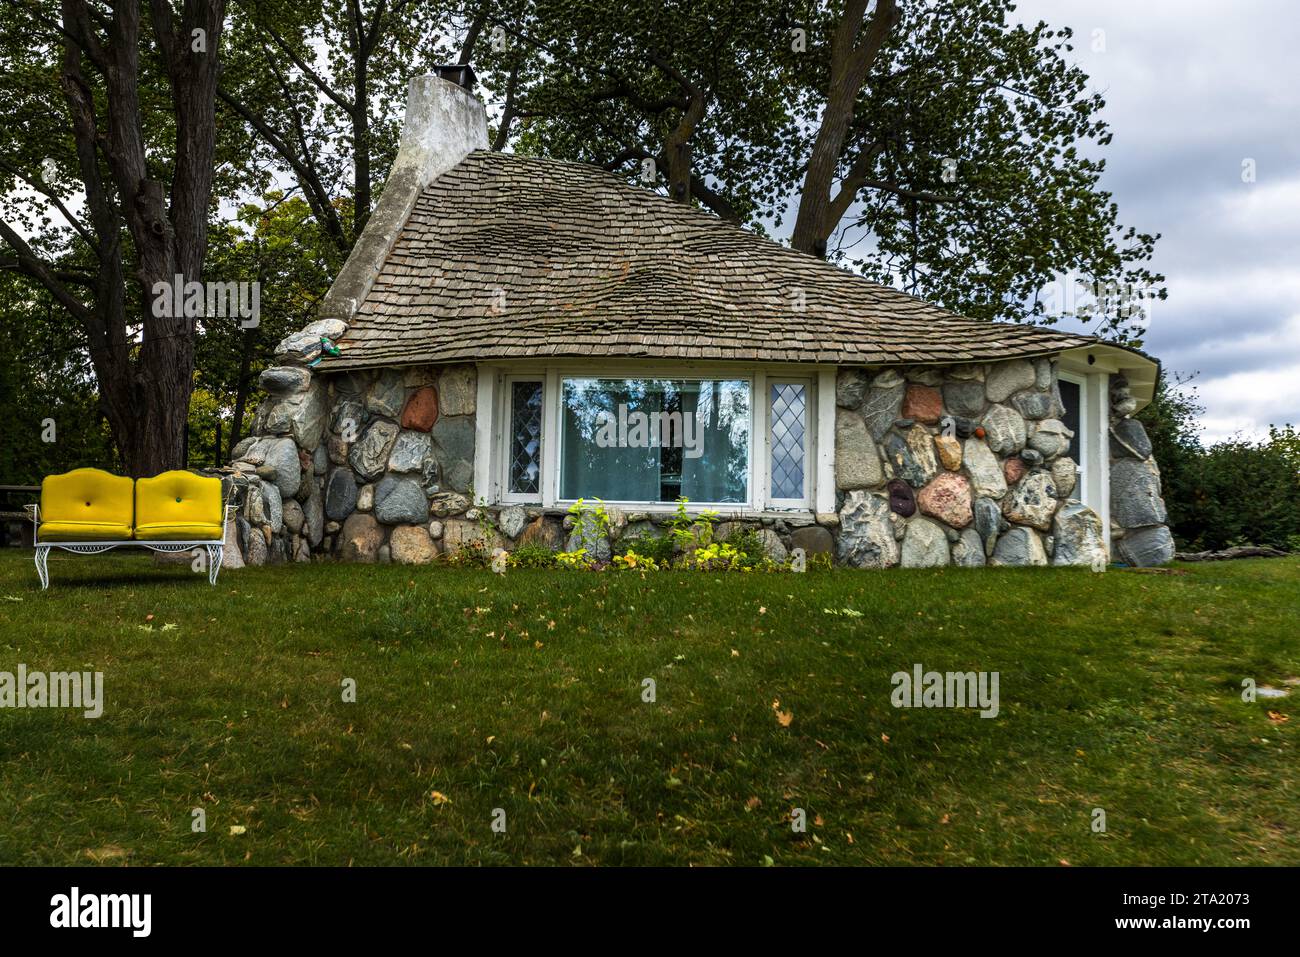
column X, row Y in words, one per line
column 179, row 532
column 86, row 502
column 83, row 532
column 178, row 506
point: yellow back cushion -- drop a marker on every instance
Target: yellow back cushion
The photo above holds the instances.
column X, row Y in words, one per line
column 87, row 495
column 177, row 498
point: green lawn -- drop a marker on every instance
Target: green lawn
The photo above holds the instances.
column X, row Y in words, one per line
column 524, row 692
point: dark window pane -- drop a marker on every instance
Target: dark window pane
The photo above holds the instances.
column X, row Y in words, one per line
column 525, row 437
column 1070, row 398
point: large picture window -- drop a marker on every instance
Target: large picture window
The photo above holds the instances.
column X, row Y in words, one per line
column 654, row 440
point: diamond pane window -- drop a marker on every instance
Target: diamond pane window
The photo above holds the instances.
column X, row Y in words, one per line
column 525, row 455
column 788, row 440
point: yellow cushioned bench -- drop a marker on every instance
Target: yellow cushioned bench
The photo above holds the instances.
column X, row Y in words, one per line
column 86, row 505
column 91, row 511
column 178, row 506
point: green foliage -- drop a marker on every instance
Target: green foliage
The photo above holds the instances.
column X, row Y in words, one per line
column 47, row 391
column 1236, row 492
column 590, row 521
column 748, row 545
column 972, row 161
column 689, row 531
column 657, row 548
column 532, row 555
column 578, row 558
column 1243, row 493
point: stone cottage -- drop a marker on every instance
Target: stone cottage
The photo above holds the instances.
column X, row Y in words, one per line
column 511, row 334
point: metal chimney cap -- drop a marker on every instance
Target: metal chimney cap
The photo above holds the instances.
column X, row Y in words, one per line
column 462, row 74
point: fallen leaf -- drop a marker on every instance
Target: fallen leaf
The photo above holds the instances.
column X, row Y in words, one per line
column 783, row 718
column 237, row 829
column 439, row 798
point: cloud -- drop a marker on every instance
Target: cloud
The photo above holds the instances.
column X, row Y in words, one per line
column 1191, row 93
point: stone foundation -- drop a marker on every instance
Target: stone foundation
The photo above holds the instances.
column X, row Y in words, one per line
column 935, row 466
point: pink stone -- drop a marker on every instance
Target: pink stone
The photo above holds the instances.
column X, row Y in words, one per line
column 948, row 499
column 421, row 410
column 1013, row 470
column 923, row 404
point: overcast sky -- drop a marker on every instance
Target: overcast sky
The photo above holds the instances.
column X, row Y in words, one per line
column 1192, row 90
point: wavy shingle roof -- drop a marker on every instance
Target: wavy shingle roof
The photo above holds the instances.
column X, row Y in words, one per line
column 508, row 257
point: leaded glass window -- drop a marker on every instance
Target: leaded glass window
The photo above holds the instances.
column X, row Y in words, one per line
column 788, row 439
column 525, row 455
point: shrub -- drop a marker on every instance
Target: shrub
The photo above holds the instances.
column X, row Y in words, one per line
column 658, row 548
column 532, row 555
column 1236, row 492
column 575, row 559
column 748, row 544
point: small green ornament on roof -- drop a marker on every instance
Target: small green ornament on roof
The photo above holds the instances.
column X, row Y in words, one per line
column 327, row 348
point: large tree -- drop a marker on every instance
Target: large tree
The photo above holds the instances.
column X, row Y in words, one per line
column 113, row 108
column 936, row 145
column 321, row 86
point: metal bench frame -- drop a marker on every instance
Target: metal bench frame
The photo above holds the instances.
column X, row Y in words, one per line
column 215, row 549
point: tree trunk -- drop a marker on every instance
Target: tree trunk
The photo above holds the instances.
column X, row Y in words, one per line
column 851, row 60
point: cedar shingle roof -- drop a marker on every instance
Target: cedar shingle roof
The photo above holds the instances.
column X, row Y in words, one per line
column 509, row 256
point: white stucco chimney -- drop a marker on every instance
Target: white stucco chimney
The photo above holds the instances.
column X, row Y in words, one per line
column 445, row 122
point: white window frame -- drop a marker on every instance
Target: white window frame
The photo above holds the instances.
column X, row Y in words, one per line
column 1085, row 443
column 1092, row 485
column 491, row 466
column 504, row 437
column 805, row 503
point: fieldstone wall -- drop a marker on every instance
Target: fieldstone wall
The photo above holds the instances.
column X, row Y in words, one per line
column 961, row 465
column 934, row 466
column 1138, row 533
column 367, row 466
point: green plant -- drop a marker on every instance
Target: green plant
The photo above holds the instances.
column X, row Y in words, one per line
column 716, row 556
column 659, row 548
column 590, row 522
column 469, row 555
column 691, row 531
column 487, row 526
column 574, row 559
column 749, row 547
column 532, row 555
column 630, row 560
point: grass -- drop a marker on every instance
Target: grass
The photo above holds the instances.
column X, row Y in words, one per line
column 524, row 693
